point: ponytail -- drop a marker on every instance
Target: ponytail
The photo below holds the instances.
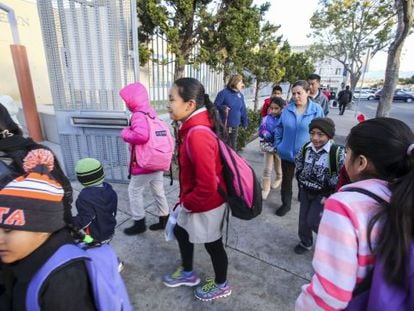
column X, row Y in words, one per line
column 212, row 113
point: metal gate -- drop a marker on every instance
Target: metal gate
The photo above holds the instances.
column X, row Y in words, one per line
column 91, row 52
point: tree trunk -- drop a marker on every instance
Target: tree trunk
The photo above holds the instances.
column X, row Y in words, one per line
column 256, row 95
column 405, row 21
column 179, row 71
column 354, row 77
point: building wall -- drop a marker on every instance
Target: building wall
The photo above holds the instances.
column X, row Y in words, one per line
column 30, row 36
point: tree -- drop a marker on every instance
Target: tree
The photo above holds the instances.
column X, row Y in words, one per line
column 297, row 67
column 346, row 29
column 406, row 80
column 405, row 17
column 179, row 20
column 231, row 33
column 266, row 61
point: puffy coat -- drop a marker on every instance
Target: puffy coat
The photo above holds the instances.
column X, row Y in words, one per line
column 136, row 99
column 200, row 174
column 267, row 127
column 97, row 207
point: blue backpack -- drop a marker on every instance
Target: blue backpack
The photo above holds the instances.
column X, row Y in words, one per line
column 375, row 293
column 108, row 288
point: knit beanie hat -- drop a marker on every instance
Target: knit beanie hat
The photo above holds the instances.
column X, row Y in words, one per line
column 326, row 125
column 89, row 172
column 33, row 202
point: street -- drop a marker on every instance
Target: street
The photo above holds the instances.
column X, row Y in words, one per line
column 400, row 110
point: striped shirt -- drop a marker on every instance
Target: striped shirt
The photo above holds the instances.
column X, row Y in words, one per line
column 342, row 256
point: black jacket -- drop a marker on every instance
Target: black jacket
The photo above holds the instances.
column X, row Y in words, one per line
column 97, row 208
column 17, row 147
column 66, row 289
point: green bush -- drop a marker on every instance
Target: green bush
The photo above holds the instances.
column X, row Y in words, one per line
column 249, row 134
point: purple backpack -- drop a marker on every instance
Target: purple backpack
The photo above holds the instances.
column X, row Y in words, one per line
column 243, row 189
column 108, row 288
column 375, row 293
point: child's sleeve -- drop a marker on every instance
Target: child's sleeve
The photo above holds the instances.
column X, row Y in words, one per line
column 335, row 261
column 138, row 132
column 86, row 213
column 263, row 133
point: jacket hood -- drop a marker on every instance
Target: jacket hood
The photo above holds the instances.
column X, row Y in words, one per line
column 135, row 96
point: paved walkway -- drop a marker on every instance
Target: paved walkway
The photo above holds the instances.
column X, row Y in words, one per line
column 264, row 272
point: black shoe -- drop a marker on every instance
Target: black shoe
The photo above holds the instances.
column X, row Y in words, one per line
column 137, row 228
column 301, row 249
column 161, row 224
column 282, row 211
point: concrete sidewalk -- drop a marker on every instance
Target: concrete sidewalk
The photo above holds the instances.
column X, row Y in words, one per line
column 264, row 272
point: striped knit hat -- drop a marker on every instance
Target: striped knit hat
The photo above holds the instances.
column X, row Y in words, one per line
column 33, row 202
column 89, row 172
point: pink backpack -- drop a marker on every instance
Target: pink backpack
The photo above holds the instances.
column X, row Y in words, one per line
column 243, row 189
column 156, row 153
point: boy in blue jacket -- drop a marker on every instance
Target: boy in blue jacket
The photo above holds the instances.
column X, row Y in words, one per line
column 271, row 158
column 97, row 203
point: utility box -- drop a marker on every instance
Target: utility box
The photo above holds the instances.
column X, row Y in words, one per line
column 91, row 50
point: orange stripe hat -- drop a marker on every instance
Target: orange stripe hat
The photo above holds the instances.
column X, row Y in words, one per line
column 33, row 202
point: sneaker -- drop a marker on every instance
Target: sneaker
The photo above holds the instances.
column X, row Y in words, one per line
column 210, row 291
column 178, row 278
column 120, row 266
column 300, row 249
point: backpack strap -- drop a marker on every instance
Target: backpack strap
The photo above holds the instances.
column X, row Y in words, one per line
column 367, row 193
column 147, row 114
column 333, row 159
column 65, row 254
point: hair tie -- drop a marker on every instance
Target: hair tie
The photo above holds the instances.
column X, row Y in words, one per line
column 410, row 149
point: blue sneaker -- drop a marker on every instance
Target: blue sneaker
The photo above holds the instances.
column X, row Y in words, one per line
column 178, row 278
column 210, row 291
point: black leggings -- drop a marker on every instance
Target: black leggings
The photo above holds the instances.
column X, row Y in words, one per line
column 288, row 173
column 215, row 249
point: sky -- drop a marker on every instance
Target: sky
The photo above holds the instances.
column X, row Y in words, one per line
column 294, row 15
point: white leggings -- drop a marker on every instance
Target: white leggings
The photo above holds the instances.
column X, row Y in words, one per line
column 136, row 188
column 272, row 160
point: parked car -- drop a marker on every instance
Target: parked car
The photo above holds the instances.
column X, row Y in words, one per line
column 362, row 94
column 398, row 95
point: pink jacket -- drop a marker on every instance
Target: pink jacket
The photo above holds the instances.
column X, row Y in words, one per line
column 136, row 99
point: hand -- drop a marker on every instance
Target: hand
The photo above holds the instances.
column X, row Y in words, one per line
column 227, row 109
column 323, row 200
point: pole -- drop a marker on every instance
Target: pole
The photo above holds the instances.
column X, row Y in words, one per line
column 362, row 80
column 24, row 80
